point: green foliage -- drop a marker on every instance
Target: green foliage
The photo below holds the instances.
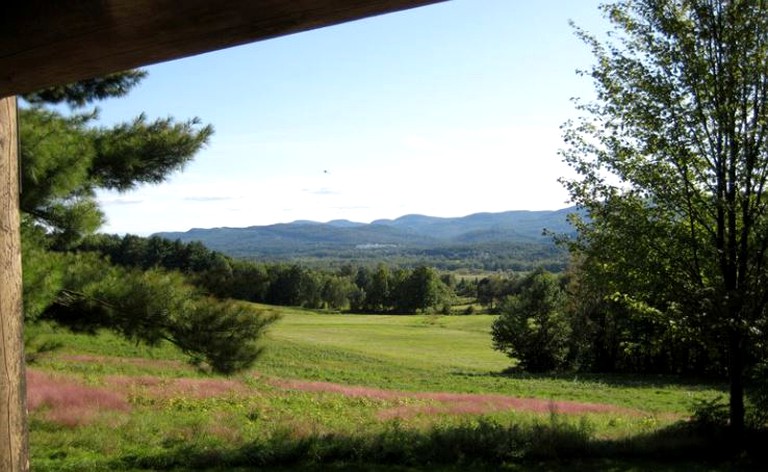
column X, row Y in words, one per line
column 492, row 290
column 222, row 334
column 56, row 154
column 81, row 93
column 421, row 290
column 757, row 395
column 140, row 152
column 672, row 162
column 42, row 274
column 709, row 414
column 382, row 290
column 402, row 291
column 532, row 327
column 40, row 341
column 155, row 305
column 615, row 332
column 65, row 159
column 376, row 286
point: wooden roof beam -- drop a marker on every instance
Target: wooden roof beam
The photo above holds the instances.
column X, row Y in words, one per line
column 49, row 42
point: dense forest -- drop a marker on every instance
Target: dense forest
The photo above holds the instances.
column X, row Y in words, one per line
column 379, row 289
column 477, row 258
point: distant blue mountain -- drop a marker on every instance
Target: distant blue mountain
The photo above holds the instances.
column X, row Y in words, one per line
column 520, row 224
column 409, row 231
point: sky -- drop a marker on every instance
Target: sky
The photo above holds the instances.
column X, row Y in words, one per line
column 445, row 110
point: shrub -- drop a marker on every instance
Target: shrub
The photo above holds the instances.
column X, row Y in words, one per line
column 532, row 327
column 709, row 415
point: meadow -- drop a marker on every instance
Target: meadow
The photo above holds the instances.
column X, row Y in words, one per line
column 351, row 392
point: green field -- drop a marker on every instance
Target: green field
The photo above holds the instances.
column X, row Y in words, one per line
column 370, row 391
column 460, row 343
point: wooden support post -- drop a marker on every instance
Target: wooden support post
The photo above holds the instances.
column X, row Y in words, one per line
column 13, row 403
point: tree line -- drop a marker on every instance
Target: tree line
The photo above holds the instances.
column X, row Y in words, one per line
column 560, row 322
column 567, row 323
column 479, row 257
column 364, row 289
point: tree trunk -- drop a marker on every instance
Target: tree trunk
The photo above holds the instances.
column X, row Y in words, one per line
column 13, row 408
column 736, row 377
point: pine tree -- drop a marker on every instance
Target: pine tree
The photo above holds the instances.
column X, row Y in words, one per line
column 64, row 160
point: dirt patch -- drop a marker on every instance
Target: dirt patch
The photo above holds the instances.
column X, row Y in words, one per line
column 451, row 403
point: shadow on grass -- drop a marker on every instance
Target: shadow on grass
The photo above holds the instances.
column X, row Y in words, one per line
column 480, row 446
column 613, row 380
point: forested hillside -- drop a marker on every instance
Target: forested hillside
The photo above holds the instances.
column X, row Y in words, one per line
column 513, row 240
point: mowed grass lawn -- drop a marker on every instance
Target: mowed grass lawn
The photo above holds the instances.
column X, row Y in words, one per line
column 328, row 387
column 461, row 343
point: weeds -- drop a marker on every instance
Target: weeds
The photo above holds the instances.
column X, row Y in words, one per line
column 482, row 442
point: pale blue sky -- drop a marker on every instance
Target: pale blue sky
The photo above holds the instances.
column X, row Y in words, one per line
column 444, row 110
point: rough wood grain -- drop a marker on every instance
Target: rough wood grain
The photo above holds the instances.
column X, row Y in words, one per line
column 48, row 42
column 13, row 410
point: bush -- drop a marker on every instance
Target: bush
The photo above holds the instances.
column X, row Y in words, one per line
column 532, row 327
column 709, row 415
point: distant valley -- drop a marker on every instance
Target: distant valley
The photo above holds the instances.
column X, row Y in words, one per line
column 511, row 240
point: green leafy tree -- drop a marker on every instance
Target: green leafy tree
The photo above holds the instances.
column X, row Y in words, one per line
column 222, row 335
column 78, row 94
column 672, row 163
column 337, row 292
column 492, row 290
column 66, row 158
column 42, row 275
column 250, row 282
column 613, row 332
column 377, row 291
column 421, row 290
column 532, row 327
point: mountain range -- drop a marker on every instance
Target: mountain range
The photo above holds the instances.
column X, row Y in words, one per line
column 407, row 233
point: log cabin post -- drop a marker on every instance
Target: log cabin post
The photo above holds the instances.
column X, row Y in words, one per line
column 13, row 405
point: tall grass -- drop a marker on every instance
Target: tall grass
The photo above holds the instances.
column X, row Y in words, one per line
column 472, row 445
